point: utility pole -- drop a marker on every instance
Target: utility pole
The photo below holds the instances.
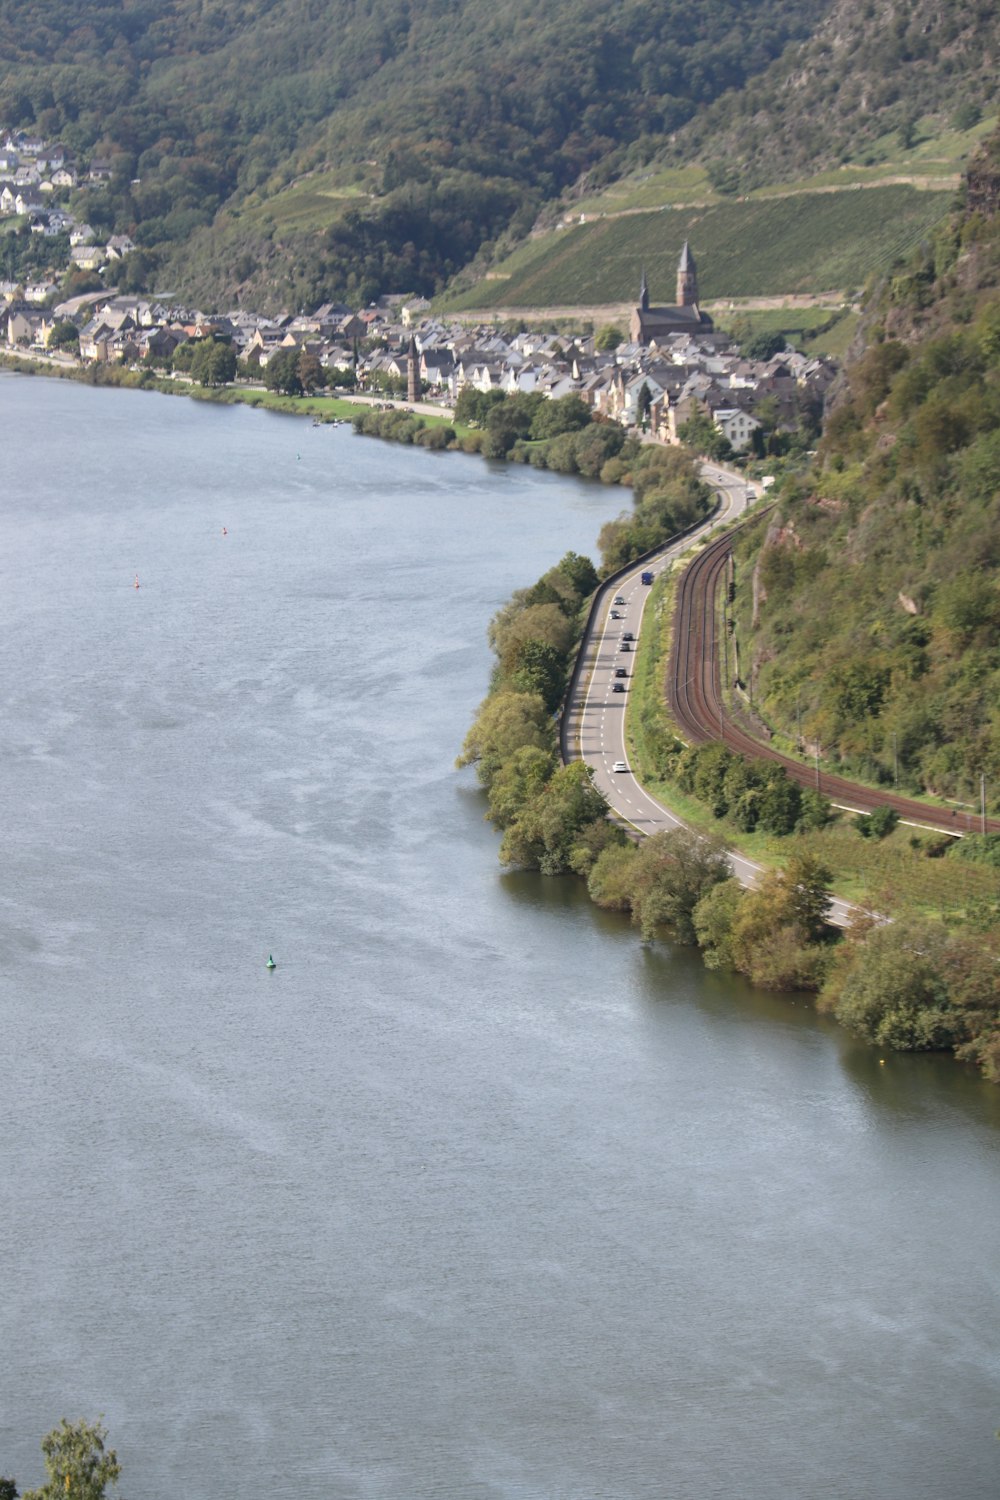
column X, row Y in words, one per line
column 895, row 761
column 982, row 798
column 817, row 768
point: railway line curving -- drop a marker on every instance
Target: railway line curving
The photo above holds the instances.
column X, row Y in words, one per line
column 696, row 700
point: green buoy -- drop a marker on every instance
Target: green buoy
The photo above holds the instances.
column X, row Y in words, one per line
column 270, row 962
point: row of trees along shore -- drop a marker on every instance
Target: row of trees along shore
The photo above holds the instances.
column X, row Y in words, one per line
column 910, row 984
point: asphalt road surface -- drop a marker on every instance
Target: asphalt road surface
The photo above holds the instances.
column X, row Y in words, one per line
column 597, row 711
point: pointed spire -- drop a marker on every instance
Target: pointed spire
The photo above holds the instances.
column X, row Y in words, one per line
column 644, row 292
column 687, row 279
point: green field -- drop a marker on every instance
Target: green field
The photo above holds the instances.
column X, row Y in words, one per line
column 817, row 330
column 314, row 202
column 806, row 244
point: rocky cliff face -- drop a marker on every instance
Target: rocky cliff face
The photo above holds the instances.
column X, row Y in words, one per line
column 982, row 186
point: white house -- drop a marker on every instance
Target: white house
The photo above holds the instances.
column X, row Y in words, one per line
column 736, row 426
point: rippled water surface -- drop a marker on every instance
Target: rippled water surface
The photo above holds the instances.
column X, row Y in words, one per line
column 472, row 1196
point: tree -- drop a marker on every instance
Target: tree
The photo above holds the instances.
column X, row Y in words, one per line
column 700, row 434
column 608, row 338
column 281, row 373
column 548, row 829
column 8, row 1489
column 713, row 920
column 567, row 414
column 65, row 335
column 311, row 372
column 213, row 362
column 673, row 872
column 891, row 989
column 78, row 1464
column 504, row 723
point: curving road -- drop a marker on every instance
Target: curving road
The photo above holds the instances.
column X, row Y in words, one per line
column 695, row 698
column 596, row 713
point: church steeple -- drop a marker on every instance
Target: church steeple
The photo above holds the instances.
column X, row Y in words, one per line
column 644, row 292
column 413, row 372
column 687, row 279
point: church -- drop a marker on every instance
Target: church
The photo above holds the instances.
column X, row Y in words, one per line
column 650, row 325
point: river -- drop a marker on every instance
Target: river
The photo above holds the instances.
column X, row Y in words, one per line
column 472, row 1196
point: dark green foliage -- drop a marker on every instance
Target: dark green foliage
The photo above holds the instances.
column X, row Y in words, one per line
column 700, row 434
column 214, row 363
column 567, row 414
column 893, row 991
column 672, row 873
column 977, row 848
column 764, row 346
column 751, row 794
column 547, row 832
column 541, row 669
column 668, row 497
column 876, row 824
column 607, row 339
column 877, row 628
column 64, row 336
column 509, row 420
column 78, row 1463
column 456, row 118
column 475, row 406
column 281, row 373
column 775, row 934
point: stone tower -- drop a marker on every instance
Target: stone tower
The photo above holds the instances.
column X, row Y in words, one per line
column 413, row 372
column 644, row 292
column 687, row 279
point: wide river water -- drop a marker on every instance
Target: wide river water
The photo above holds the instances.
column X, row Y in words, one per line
column 473, row 1196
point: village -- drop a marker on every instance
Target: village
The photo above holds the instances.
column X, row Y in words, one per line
column 669, row 367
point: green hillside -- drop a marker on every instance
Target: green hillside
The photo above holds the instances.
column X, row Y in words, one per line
column 809, row 243
column 897, row 531
column 456, row 118
column 281, row 151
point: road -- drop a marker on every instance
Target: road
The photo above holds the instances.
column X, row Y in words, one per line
column 596, row 731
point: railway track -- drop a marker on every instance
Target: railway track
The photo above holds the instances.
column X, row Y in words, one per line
column 696, row 701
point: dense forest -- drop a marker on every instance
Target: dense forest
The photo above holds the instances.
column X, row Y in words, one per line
column 288, row 151
column 871, row 69
column 896, row 528
column 444, row 124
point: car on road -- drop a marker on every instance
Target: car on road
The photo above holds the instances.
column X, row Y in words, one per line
column 628, row 636
column 619, row 599
column 624, row 646
column 616, row 614
column 618, row 687
column 621, row 671
column 620, row 765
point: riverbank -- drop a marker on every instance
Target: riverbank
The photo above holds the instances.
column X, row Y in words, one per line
column 920, row 982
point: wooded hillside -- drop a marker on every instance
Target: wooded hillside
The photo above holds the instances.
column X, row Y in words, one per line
column 897, row 532
column 439, row 122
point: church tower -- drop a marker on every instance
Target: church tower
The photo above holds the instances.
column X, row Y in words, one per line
column 644, row 293
column 687, row 279
column 413, row 372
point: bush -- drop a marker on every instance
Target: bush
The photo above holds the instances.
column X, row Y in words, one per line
column 877, row 824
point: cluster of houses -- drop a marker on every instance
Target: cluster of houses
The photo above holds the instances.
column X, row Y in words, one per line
column 36, row 177
column 658, row 378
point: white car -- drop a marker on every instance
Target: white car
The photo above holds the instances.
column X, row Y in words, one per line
column 620, row 765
